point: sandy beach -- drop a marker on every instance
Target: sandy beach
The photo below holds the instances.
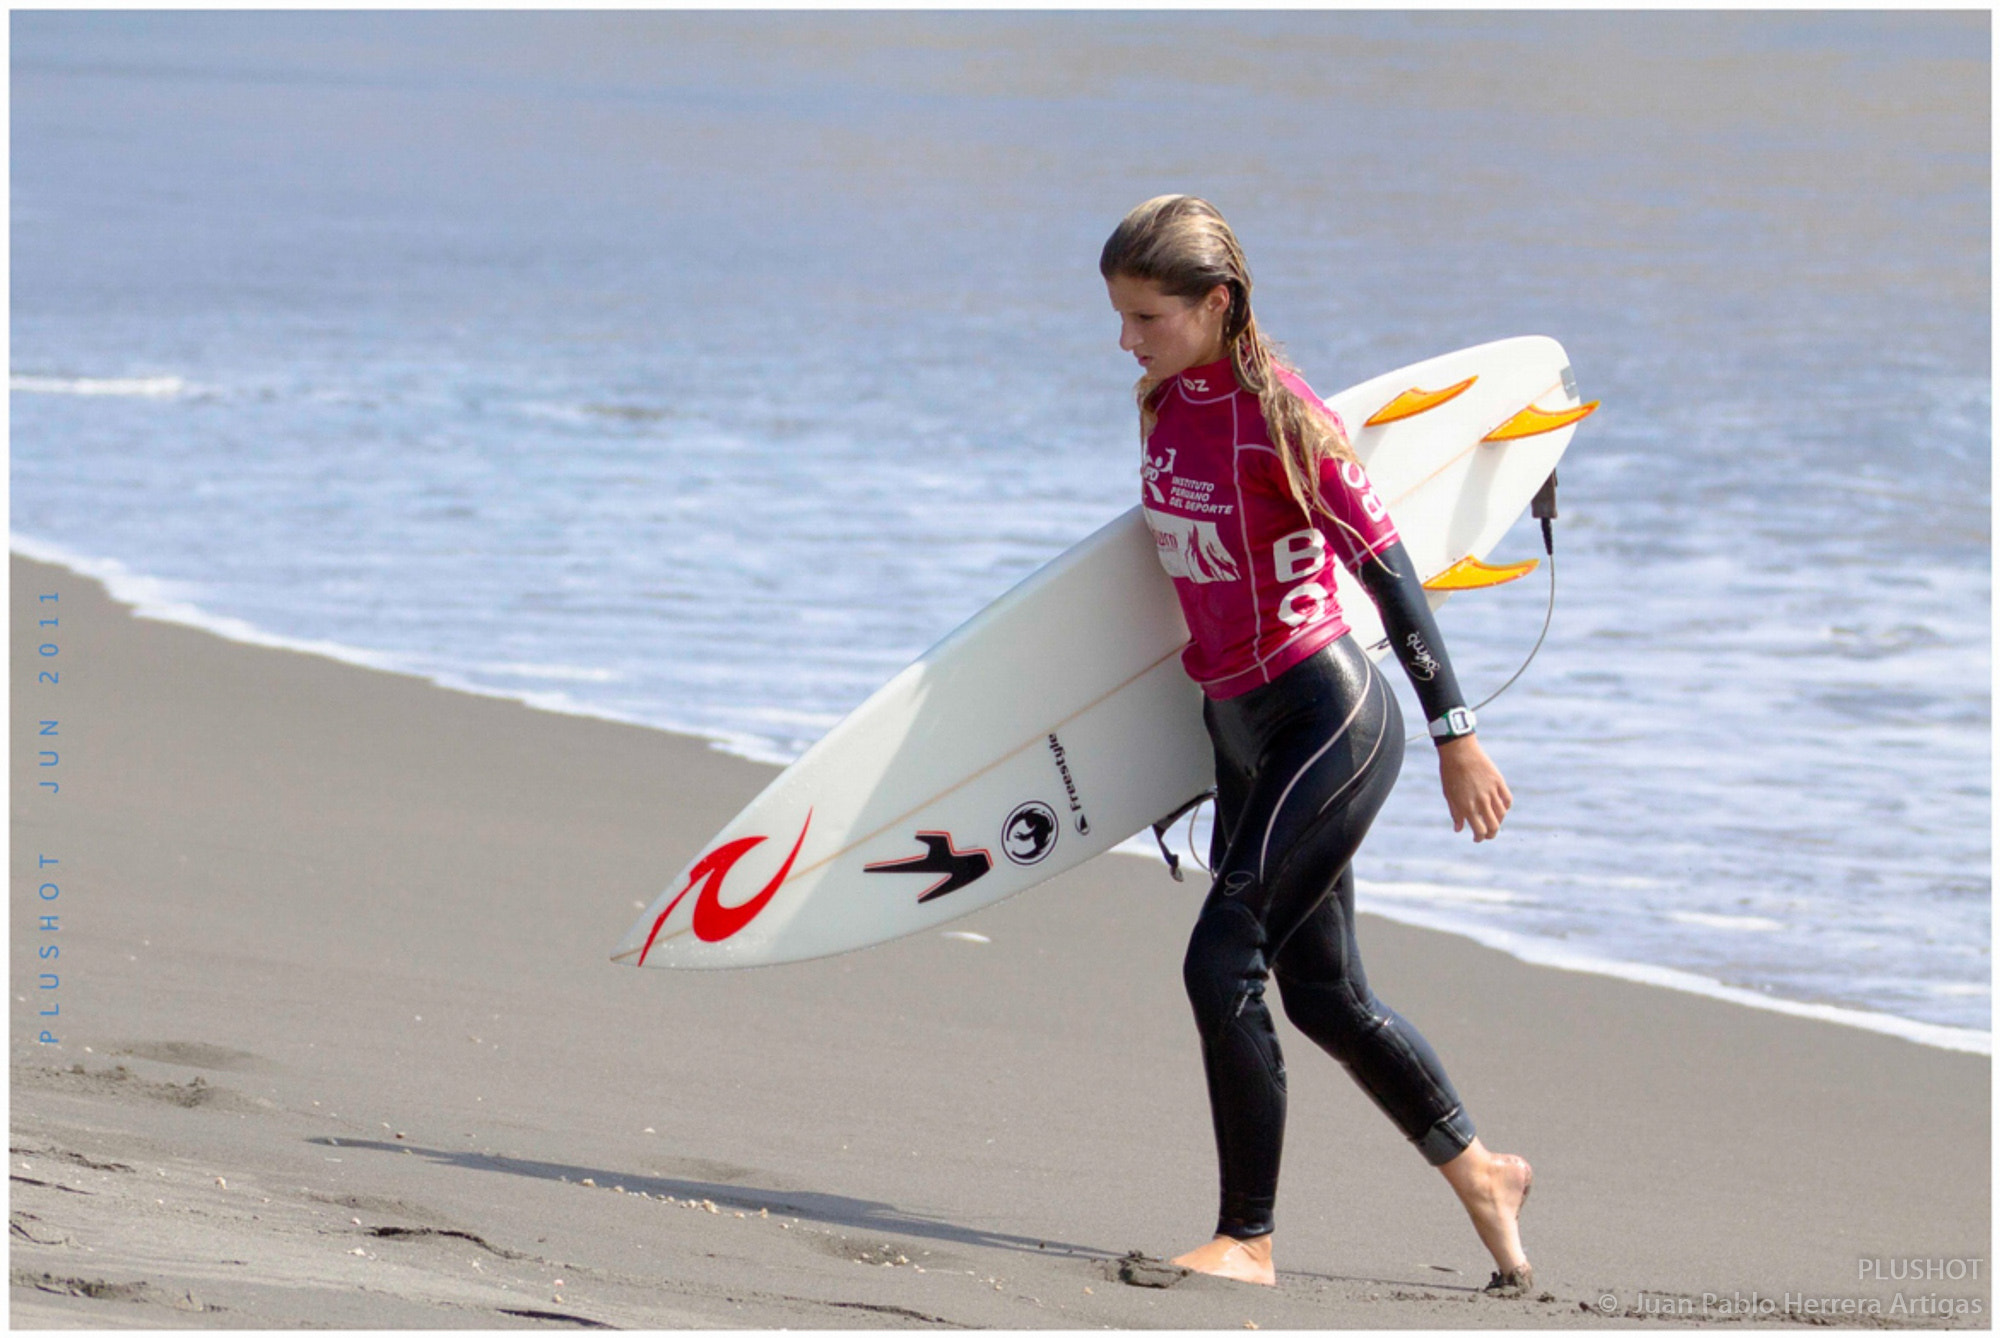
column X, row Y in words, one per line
column 338, row 1044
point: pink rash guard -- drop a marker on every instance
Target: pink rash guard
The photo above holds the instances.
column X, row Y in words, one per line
column 1249, row 567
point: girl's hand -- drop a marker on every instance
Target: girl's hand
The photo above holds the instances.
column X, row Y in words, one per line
column 1473, row 787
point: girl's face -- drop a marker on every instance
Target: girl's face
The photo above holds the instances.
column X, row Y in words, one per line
column 1166, row 334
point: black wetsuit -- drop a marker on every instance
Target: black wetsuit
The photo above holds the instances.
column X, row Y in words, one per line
column 1308, row 740
column 1303, row 763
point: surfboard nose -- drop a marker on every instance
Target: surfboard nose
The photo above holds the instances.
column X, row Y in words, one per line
column 637, row 946
column 633, row 941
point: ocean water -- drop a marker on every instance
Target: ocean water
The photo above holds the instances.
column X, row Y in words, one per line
column 702, row 369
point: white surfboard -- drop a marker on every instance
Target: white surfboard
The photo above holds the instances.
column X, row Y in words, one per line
column 1058, row 722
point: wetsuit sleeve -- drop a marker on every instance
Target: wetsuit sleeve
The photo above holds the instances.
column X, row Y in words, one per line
column 1392, row 582
column 1360, row 532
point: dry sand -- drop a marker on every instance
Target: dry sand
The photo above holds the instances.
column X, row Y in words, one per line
column 339, row 1044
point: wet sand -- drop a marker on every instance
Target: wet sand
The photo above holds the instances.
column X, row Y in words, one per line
column 339, row 1043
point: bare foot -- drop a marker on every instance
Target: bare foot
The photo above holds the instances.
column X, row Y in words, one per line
column 1228, row 1257
column 1493, row 1186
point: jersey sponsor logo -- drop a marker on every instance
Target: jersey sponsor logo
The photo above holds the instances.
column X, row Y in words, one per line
column 1069, row 785
column 1199, row 386
column 1152, row 468
column 1030, row 833
column 713, row 921
column 1190, row 548
column 1197, row 496
column 941, row 856
column 1156, row 472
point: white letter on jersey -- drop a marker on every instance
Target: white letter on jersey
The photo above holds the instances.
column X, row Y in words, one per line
column 1299, row 554
column 1356, row 480
column 1303, row 604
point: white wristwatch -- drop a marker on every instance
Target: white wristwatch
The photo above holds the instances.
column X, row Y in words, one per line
column 1454, row 724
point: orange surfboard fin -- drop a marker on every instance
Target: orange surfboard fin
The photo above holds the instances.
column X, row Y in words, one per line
column 1532, row 422
column 1414, row 401
column 1469, row 573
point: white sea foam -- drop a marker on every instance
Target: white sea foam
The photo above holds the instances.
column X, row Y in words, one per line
column 749, row 747
column 145, row 387
column 1756, row 924
column 552, row 700
column 1440, row 892
column 817, row 721
column 169, row 602
column 554, row 672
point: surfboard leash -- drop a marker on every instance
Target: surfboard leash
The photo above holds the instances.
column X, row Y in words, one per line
column 1160, row 829
column 1543, row 509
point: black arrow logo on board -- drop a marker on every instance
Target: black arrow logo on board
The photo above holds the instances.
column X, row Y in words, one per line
column 940, row 856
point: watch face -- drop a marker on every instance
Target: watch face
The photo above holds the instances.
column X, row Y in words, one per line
column 1455, row 723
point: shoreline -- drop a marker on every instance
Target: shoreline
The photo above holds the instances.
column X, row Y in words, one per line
column 153, row 599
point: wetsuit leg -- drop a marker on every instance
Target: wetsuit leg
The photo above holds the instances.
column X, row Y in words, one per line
column 1326, row 996
column 1303, row 764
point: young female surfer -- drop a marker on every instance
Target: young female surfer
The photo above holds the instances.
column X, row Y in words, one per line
column 1248, row 485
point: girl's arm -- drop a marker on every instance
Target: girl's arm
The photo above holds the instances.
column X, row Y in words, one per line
column 1474, row 789
column 1363, row 534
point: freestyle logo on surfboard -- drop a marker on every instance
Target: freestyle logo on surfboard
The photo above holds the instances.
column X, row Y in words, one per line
column 1069, row 785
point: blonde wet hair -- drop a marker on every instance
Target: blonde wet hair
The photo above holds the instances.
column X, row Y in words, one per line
column 1182, row 244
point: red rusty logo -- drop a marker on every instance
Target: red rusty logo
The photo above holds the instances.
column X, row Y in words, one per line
column 714, row 921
